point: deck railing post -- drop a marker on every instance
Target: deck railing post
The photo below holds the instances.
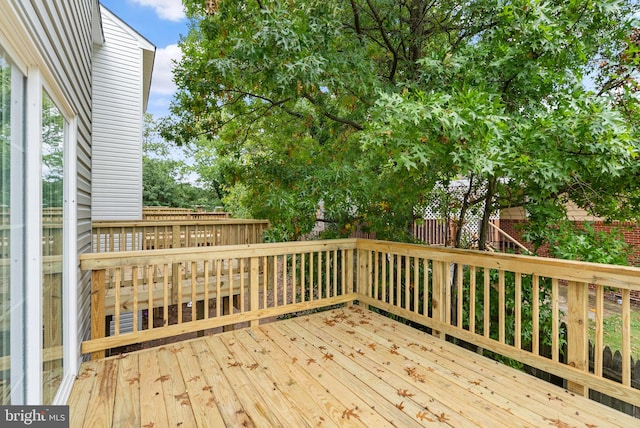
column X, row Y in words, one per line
column 350, row 270
column 577, row 331
column 363, row 279
column 440, row 284
column 254, row 286
column 98, row 323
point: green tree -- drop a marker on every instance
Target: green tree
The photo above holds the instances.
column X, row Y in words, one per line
column 163, row 175
column 367, row 105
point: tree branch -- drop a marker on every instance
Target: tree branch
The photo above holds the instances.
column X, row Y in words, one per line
column 387, row 42
column 332, row 116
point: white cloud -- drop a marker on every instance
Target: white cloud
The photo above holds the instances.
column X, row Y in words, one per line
column 170, row 10
column 162, row 82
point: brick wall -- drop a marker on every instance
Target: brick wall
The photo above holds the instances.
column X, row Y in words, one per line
column 631, row 233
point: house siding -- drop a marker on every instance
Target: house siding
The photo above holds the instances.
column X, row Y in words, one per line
column 117, row 124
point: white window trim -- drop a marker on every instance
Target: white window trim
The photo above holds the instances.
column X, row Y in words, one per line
column 17, row 292
column 33, row 238
column 70, row 264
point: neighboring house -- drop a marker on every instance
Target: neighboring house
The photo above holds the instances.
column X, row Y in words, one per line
column 122, row 68
column 55, row 118
column 512, row 220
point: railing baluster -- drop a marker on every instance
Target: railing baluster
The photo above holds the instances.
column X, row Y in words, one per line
column 150, row 297
column 407, row 282
column 294, row 280
column 219, row 299
column 518, row 310
column 311, row 285
column 206, row 289
column 391, row 259
column 116, row 323
column 472, row 299
column 599, row 339
column 194, row 289
column 254, row 286
column 385, row 292
column 459, row 297
column 228, row 310
column 535, row 314
column 265, row 281
column 242, row 284
column 327, row 274
column 398, row 268
column 319, row 275
column 165, row 295
column 425, row 290
column 501, row 307
column 134, row 284
column 275, row 281
column 416, row 284
column 335, row 271
column 376, row 273
column 486, row 302
column 345, row 269
column 97, row 308
column 178, row 286
column 303, row 285
column 626, row 337
column 555, row 324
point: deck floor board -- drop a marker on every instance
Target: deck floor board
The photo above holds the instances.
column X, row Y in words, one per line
column 345, row 367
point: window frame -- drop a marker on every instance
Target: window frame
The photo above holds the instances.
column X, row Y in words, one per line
column 19, row 46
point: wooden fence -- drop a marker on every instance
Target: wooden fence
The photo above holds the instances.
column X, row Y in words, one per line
column 504, row 303
column 612, row 369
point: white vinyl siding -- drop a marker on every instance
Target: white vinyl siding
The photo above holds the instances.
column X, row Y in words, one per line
column 118, row 86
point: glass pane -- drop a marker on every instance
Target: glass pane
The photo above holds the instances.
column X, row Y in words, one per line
column 11, row 234
column 5, row 225
column 52, row 249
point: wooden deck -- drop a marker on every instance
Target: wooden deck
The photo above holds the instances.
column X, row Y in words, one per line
column 345, row 367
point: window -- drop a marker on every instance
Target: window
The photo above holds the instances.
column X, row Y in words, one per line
column 52, row 247
column 12, row 327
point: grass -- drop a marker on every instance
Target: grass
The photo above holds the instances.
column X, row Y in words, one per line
column 612, row 325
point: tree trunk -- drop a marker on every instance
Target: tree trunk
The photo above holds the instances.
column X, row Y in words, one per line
column 463, row 213
column 486, row 215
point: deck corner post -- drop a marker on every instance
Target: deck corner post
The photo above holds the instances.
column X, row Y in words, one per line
column 440, row 285
column 98, row 322
column 577, row 332
column 363, row 275
column 350, row 271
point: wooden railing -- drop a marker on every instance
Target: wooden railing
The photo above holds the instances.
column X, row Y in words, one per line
column 506, row 304
column 165, row 213
column 508, row 241
column 111, row 236
column 268, row 280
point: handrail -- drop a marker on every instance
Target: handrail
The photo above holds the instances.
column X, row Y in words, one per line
column 475, row 296
column 511, row 239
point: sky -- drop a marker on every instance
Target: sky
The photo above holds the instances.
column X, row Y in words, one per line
column 162, row 22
